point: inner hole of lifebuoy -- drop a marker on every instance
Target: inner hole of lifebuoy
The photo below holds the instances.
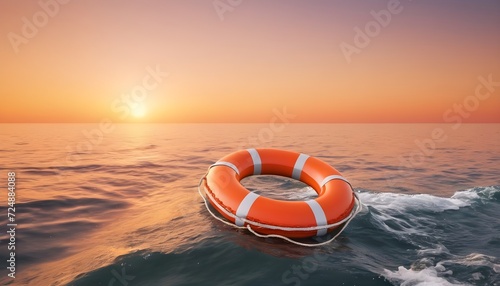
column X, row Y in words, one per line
column 279, row 188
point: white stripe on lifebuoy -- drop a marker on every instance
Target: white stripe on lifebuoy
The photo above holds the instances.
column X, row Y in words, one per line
column 333, row 177
column 244, row 207
column 257, row 163
column 319, row 215
column 299, row 165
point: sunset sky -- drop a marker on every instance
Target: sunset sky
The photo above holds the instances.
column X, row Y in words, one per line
column 236, row 61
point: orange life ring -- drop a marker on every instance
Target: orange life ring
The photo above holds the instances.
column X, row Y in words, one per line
column 294, row 219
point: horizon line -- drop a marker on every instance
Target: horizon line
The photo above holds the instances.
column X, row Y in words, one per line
column 254, row 122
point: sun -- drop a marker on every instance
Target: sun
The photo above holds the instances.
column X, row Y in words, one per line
column 139, row 111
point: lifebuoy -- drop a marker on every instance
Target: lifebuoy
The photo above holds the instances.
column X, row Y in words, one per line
column 294, row 219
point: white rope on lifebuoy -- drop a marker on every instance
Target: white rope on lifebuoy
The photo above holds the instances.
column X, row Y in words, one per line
column 347, row 220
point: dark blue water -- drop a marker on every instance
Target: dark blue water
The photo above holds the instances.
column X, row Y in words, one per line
column 127, row 211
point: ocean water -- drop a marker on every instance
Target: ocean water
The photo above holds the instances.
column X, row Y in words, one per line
column 118, row 205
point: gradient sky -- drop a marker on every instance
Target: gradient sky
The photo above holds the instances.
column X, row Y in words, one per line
column 261, row 55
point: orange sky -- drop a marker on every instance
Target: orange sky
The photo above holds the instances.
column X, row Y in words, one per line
column 84, row 60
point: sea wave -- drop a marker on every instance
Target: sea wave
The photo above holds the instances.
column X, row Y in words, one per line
column 463, row 222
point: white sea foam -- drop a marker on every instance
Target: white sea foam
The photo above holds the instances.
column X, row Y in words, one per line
column 424, row 272
column 401, row 214
column 439, row 249
column 405, row 202
column 475, row 194
column 430, row 276
column 466, row 196
column 475, row 259
column 402, row 203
